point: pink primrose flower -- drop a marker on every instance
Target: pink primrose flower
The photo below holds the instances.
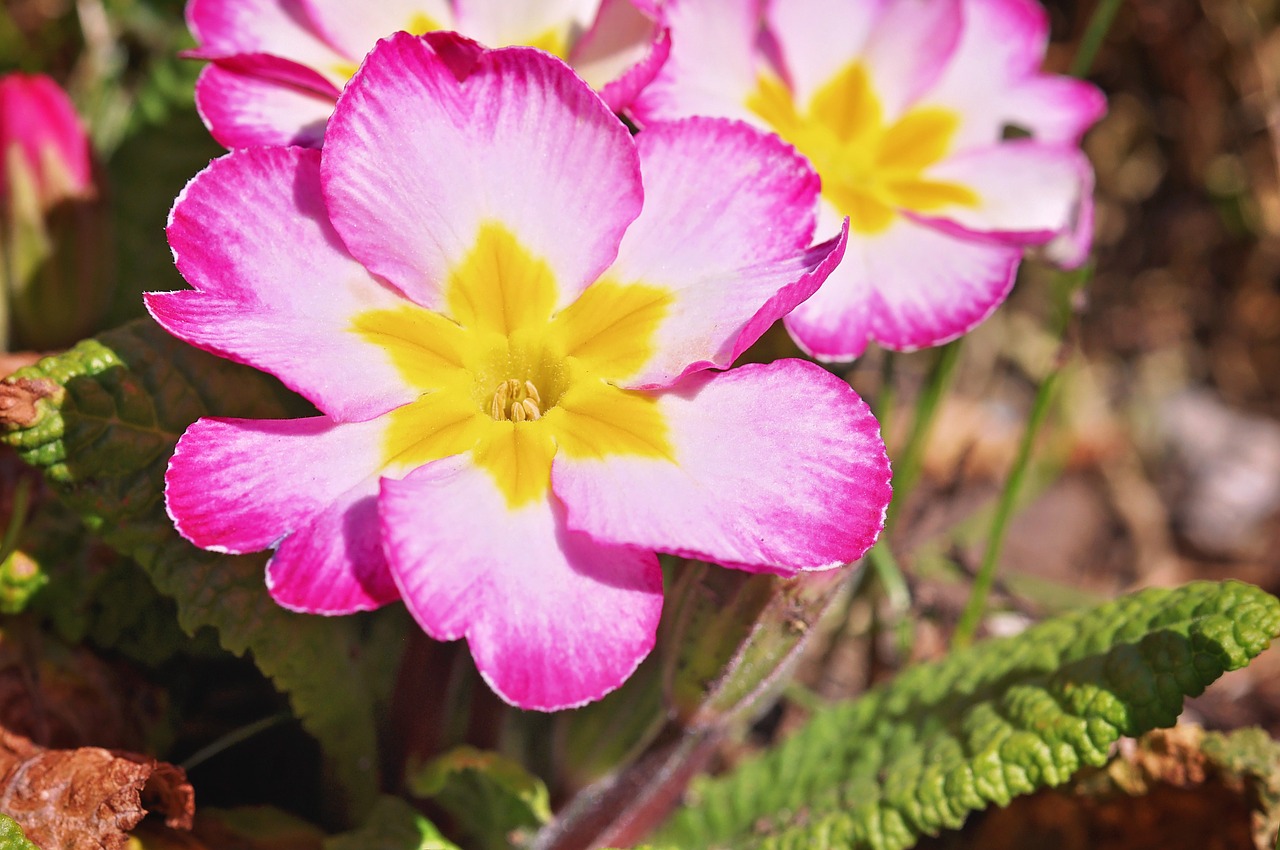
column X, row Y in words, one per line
column 513, row 318
column 934, row 131
column 278, row 65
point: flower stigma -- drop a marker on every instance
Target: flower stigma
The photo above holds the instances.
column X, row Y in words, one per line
column 517, row 401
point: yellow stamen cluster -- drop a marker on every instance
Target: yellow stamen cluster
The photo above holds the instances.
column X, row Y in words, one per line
column 517, row 401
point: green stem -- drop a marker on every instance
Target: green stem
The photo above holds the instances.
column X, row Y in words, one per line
column 235, row 736
column 907, row 468
column 895, row 590
column 976, row 606
column 21, row 502
column 974, row 609
column 1104, row 14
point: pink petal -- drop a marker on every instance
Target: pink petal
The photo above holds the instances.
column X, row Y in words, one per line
column 993, row 80
column 621, row 53
column 245, row 110
column 909, row 49
column 279, row 27
column 499, row 23
column 356, row 27
column 819, row 38
column 1056, row 109
column 274, row 287
column 713, row 66
column 305, row 485
column 911, row 287
column 1070, row 248
column 418, row 159
column 729, row 212
column 284, row 71
column 1026, row 191
column 553, row 619
column 777, row 467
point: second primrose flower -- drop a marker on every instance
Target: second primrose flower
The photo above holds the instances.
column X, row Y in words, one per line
column 934, row 130
column 512, row 318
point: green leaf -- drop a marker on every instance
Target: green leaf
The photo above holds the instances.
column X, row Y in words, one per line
column 12, row 836
column 90, row 593
column 111, row 411
column 983, row 725
column 393, row 825
column 489, row 795
column 146, row 174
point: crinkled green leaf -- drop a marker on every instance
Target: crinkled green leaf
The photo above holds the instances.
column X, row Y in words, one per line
column 490, row 796
column 1000, row 719
column 12, row 836
column 393, row 825
column 103, row 436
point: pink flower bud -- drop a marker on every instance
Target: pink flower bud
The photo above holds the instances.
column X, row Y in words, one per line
column 43, row 139
column 55, row 259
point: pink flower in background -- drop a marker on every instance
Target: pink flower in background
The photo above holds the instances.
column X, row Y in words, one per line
column 933, row 129
column 513, row 317
column 56, row 260
column 279, row 65
column 43, row 142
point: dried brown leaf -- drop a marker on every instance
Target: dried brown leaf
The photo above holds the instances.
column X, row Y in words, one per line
column 18, row 400
column 87, row 798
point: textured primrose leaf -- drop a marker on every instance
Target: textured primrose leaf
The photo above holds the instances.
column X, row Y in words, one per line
column 104, row 419
column 489, row 795
column 983, row 725
column 11, row 836
column 393, row 825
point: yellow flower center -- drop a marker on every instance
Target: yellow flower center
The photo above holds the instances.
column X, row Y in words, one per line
column 507, row 377
column 871, row 169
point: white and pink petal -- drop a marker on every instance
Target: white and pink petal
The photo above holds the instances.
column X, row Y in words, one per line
column 500, row 23
column 423, row 151
column 306, row 486
column 280, row 27
column 245, row 110
column 1054, row 108
column 776, row 468
column 910, row 287
column 621, row 52
column 993, row 81
column 354, row 28
column 274, row 286
column 818, row 39
column 726, row 228
column 1070, row 248
column 909, row 49
column 553, row 618
column 713, row 67
column 1024, row 191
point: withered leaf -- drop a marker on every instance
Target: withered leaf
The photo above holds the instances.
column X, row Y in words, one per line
column 87, row 798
